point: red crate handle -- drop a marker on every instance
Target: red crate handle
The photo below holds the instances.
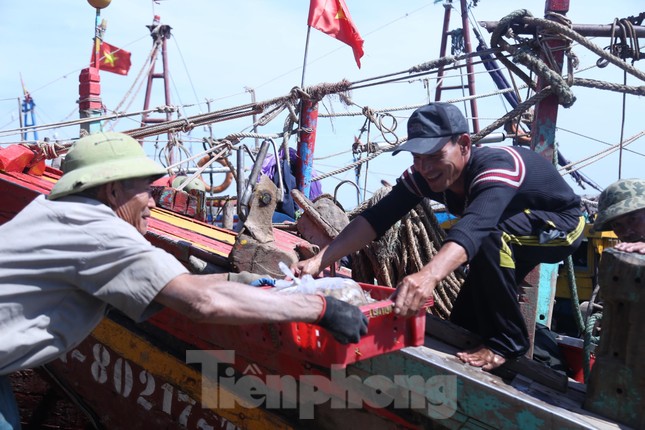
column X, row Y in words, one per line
column 388, row 303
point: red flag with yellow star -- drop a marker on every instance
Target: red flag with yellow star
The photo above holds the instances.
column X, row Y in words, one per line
column 332, row 18
column 112, row 59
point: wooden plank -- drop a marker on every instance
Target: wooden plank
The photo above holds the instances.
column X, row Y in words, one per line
column 616, row 385
column 194, row 226
column 463, row 339
column 177, row 235
column 462, row 396
column 487, row 399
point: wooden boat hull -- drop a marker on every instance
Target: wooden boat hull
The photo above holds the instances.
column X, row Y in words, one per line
column 132, row 384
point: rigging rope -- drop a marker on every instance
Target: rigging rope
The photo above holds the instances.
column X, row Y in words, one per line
column 147, row 69
column 611, row 58
column 277, row 105
column 413, row 107
column 601, row 154
column 347, row 167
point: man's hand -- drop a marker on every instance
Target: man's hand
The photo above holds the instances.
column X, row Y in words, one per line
column 636, row 247
column 311, row 266
column 412, row 293
column 344, row 321
column 414, row 290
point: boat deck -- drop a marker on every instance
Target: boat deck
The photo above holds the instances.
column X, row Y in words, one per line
column 141, row 371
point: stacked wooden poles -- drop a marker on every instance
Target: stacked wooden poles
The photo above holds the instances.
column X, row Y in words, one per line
column 403, row 250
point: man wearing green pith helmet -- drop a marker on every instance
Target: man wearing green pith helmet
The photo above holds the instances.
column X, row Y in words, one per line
column 68, row 257
column 621, row 208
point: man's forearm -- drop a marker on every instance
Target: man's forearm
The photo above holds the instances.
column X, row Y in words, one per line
column 447, row 260
column 208, row 299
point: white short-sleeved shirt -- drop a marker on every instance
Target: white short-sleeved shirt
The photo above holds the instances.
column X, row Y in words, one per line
column 62, row 263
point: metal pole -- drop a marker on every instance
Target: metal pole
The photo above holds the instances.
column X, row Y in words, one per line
column 304, row 60
column 97, row 39
column 586, row 30
column 243, row 199
column 546, row 111
column 89, row 101
column 442, row 50
column 469, row 65
column 24, row 132
column 306, row 145
column 255, row 117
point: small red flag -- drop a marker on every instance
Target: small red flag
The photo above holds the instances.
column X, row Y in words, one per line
column 332, row 18
column 112, row 59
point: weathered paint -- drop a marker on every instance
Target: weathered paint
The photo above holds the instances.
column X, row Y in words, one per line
column 546, row 292
column 616, row 386
column 543, row 142
column 155, row 385
column 546, row 111
column 17, row 191
column 190, row 224
column 483, row 400
column 545, row 133
column 306, row 145
column 90, row 104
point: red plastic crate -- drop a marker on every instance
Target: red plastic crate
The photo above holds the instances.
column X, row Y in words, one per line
column 308, row 342
column 386, row 333
column 572, row 350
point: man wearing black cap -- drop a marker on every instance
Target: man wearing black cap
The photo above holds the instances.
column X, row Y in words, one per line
column 515, row 211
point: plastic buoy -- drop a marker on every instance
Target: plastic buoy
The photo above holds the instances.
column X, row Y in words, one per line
column 99, row 4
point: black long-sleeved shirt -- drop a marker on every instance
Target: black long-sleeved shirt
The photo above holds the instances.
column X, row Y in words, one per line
column 499, row 182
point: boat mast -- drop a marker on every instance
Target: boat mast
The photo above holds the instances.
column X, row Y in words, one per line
column 89, row 88
column 159, row 33
column 27, row 108
column 306, row 144
column 546, row 111
column 465, row 31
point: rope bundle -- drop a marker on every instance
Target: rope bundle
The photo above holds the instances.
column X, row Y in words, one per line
column 403, row 250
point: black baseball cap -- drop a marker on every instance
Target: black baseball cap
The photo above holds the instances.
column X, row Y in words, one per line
column 430, row 127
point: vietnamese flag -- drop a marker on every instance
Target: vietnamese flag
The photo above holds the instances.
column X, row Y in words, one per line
column 332, row 18
column 112, row 59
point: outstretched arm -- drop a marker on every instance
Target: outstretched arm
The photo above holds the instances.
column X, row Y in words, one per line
column 211, row 299
column 354, row 237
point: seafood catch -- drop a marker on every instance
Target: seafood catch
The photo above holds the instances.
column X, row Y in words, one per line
column 344, row 289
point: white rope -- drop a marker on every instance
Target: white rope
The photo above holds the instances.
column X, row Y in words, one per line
column 201, row 169
column 600, row 155
column 199, row 155
column 412, row 107
column 77, row 121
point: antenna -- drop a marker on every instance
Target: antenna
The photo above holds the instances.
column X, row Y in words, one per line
column 28, row 106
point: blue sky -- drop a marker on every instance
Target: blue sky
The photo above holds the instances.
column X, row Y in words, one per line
column 219, row 49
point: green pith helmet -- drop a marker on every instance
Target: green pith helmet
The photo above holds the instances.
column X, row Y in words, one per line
column 101, row 158
column 195, row 184
column 620, row 198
